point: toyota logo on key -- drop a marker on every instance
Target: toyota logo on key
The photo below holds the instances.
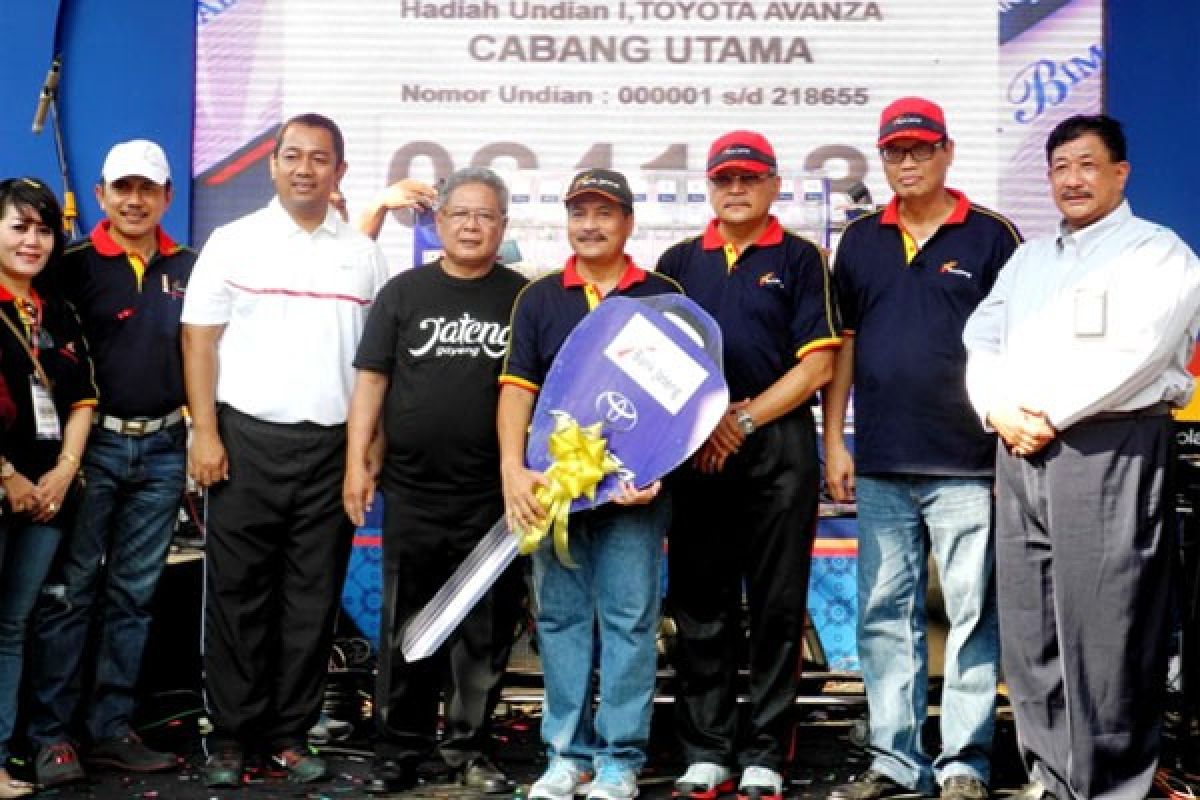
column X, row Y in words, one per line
column 617, row 409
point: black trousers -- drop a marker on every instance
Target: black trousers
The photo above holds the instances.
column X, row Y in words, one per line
column 425, row 538
column 277, row 545
column 1084, row 554
column 755, row 523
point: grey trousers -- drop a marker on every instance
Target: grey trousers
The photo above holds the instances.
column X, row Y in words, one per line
column 1084, row 551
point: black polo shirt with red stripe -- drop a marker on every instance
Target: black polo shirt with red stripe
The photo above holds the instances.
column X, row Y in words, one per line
column 906, row 304
column 548, row 309
column 773, row 300
column 130, row 312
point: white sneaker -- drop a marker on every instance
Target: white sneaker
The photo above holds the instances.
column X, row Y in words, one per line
column 760, row 783
column 329, row 730
column 704, row 780
column 613, row 783
column 562, row 780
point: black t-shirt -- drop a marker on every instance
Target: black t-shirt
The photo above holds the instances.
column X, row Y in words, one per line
column 440, row 340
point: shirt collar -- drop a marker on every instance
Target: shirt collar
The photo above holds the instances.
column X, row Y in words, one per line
column 107, row 246
column 1088, row 236
column 633, row 274
column 891, row 212
column 331, row 224
column 771, row 235
column 8, row 297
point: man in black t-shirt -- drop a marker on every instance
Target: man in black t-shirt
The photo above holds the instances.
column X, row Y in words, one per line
column 427, row 364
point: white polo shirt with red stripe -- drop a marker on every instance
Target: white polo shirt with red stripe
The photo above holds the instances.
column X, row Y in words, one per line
column 293, row 304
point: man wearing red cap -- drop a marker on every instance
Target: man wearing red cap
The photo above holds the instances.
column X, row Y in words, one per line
column 745, row 507
column 907, row 278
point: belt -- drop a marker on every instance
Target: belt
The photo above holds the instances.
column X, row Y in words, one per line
column 1160, row 409
column 139, row 426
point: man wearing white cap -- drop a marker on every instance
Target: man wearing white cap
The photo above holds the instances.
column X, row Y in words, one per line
column 127, row 281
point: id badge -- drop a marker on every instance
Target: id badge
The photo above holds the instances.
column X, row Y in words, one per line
column 1090, row 312
column 44, row 414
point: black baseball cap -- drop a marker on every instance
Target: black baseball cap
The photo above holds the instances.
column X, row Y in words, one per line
column 604, row 182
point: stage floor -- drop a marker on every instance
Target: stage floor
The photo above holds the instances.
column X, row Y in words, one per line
column 827, row 753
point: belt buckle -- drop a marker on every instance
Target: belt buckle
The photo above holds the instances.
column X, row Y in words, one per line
column 133, row 427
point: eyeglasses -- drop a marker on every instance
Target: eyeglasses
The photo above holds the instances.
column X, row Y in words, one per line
column 749, row 180
column 484, row 217
column 921, row 151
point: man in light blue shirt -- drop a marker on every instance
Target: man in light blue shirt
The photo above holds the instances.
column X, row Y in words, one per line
column 1075, row 359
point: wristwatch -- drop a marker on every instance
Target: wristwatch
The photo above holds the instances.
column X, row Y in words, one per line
column 7, row 470
column 745, row 421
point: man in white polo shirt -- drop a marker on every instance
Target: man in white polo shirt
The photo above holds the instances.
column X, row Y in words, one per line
column 273, row 314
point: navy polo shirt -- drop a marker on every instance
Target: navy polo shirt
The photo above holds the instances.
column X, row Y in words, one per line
column 773, row 301
column 548, row 309
column 130, row 312
column 906, row 306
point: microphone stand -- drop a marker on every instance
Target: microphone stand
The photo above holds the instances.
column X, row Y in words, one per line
column 70, row 207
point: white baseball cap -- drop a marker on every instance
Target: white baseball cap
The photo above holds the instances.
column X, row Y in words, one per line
column 140, row 157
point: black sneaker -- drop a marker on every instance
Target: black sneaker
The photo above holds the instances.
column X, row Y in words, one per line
column 483, row 776
column 128, row 753
column 57, row 765
column 871, row 785
column 223, row 769
column 964, row 787
column 389, row 775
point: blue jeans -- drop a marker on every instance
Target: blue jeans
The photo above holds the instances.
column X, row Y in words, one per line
column 26, row 553
column 900, row 518
column 112, row 558
column 615, row 592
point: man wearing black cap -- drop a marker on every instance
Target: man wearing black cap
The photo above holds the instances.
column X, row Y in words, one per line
column 614, row 591
column 746, row 506
column 907, row 278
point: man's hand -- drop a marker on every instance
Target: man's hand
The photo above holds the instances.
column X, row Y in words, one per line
column 726, row 440
column 632, row 496
column 839, row 471
column 407, row 193
column 1024, row 430
column 358, row 493
column 521, row 507
column 207, row 462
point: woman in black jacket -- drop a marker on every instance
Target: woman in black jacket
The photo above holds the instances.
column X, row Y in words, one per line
column 45, row 366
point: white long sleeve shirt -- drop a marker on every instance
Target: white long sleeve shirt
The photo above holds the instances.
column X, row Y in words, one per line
column 1096, row 320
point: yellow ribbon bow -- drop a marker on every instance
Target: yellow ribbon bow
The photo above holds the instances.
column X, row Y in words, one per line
column 580, row 460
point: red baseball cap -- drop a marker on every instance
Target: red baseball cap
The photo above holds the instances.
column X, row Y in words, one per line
column 914, row 118
column 741, row 150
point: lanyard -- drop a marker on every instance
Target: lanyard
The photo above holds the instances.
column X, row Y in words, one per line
column 30, row 351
